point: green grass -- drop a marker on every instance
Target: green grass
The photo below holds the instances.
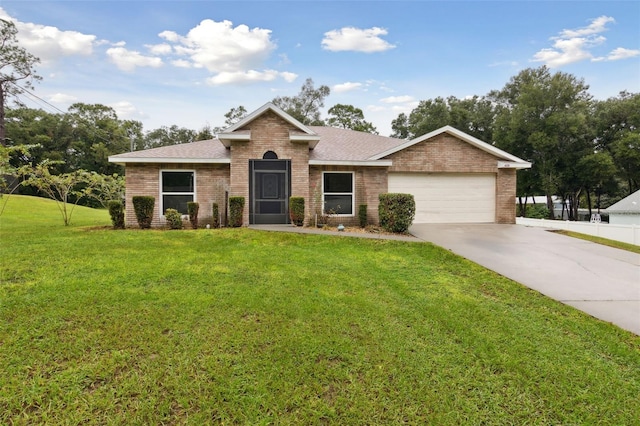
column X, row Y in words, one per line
column 239, row 326
column 604, row 241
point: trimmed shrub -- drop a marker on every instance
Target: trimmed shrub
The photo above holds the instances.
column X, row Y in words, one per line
column 192, row 210
column 296, row 210
column 236, row 208
column 116, row 211
column 143, row 207
column 216, row 216
column 174, row 218
column 396, row 212
column 362, row 215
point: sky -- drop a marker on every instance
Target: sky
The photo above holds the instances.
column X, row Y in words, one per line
column 187, row 63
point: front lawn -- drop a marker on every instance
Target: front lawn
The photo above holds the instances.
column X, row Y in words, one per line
column 239, row 326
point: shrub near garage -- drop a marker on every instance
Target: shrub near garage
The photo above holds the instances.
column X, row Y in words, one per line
column 174, row 218
column 396, row 211
column 192, row 210
column 116, row 211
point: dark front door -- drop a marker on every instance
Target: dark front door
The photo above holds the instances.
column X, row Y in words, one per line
column 269, row 188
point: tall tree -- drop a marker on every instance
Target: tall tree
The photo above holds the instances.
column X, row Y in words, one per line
column 305, row 106
column 542, row 117
column 16, row 65
column 349, row 117
column 473, row 116
column 165, row 136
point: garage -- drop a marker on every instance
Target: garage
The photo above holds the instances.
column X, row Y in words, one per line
column 449, row 197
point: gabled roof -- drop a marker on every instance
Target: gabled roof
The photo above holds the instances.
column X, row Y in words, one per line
column 301, row 133
column 628, row 205
column 509, row 160
column 208, row 151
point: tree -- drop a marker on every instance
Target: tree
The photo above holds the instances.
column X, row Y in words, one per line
column 165, row 136
column 305, row 107
column 65, row 189
column 105, row 188
column 542, row 118
column 349, row 117
column 472, row 115
column 9, row 174
column 16, row 64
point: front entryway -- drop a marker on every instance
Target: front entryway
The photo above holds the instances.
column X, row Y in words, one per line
column 269, row 189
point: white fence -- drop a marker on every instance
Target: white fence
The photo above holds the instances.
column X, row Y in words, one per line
column 625, row 233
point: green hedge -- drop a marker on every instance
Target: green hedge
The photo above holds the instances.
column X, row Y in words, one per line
column 116, row 211
column 215, row 216
column 192, row 210
column 143, row 207
column 362, row 215
column 296, row 210
column 396, row 212
column 236, row 209
column 174, row 218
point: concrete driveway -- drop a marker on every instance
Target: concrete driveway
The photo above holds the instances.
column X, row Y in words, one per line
column 601, row 281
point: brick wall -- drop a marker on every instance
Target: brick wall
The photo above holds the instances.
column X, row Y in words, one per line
column 269, row 132
column 211, row 181
column 447, row 154
column 369, row 183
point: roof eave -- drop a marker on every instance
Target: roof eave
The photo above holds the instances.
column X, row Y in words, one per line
column 367, row 163
column 173, row 160
column 514, row 165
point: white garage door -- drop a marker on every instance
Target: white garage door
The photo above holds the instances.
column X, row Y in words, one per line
column 449, row 198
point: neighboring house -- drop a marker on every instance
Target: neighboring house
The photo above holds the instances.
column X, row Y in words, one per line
column 269, row 156
column 625, row 211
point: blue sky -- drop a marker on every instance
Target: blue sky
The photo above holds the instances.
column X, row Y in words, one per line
column 189, row 62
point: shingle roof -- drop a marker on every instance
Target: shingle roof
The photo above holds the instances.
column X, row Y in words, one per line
column 628, row 205
column 349, row 145
column 200, row 151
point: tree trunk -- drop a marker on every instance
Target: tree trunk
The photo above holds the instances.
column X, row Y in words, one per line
column 550, row 207
column 3, row 134
column 589, row 202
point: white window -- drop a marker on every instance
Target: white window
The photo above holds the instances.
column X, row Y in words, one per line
column 337, row 191
column 177, row 188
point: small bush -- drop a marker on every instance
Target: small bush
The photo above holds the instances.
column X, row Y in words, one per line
column 215, row 218
column 362, row 215
column 174, row 218
column 192, row 210
column 143, row 207
column 236, row 209
column 296, row 210
column 537, row 211
column 116, row 211
column 396, row 212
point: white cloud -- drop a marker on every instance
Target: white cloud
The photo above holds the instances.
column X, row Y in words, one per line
column 250, row 76
column 181, row 63
column 49, row 43
column 125, row 109
column 397, row 99
column 576, row 45
column 346, row 87
column 129, row 60
column 159, row 49
column 61, row 98
column 621, row 53
column 221, row 48
column 356, row 39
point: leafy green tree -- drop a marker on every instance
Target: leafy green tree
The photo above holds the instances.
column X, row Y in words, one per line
column 349, row 117
column 166, row 136
column 105, row 188
column 65, row 189
column 542, row 118
column 597, row 173
column 16, row 65
column 10, row 174
column 617, row 130
column 305, row 106
column 473, row 116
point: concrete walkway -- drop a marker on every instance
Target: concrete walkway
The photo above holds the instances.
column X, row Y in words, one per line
column 599, row 280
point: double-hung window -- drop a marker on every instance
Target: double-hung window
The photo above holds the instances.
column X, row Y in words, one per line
column 177, row 189
column 337, row 190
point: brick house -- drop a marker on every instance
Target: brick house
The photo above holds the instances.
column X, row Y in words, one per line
column 269, row 156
